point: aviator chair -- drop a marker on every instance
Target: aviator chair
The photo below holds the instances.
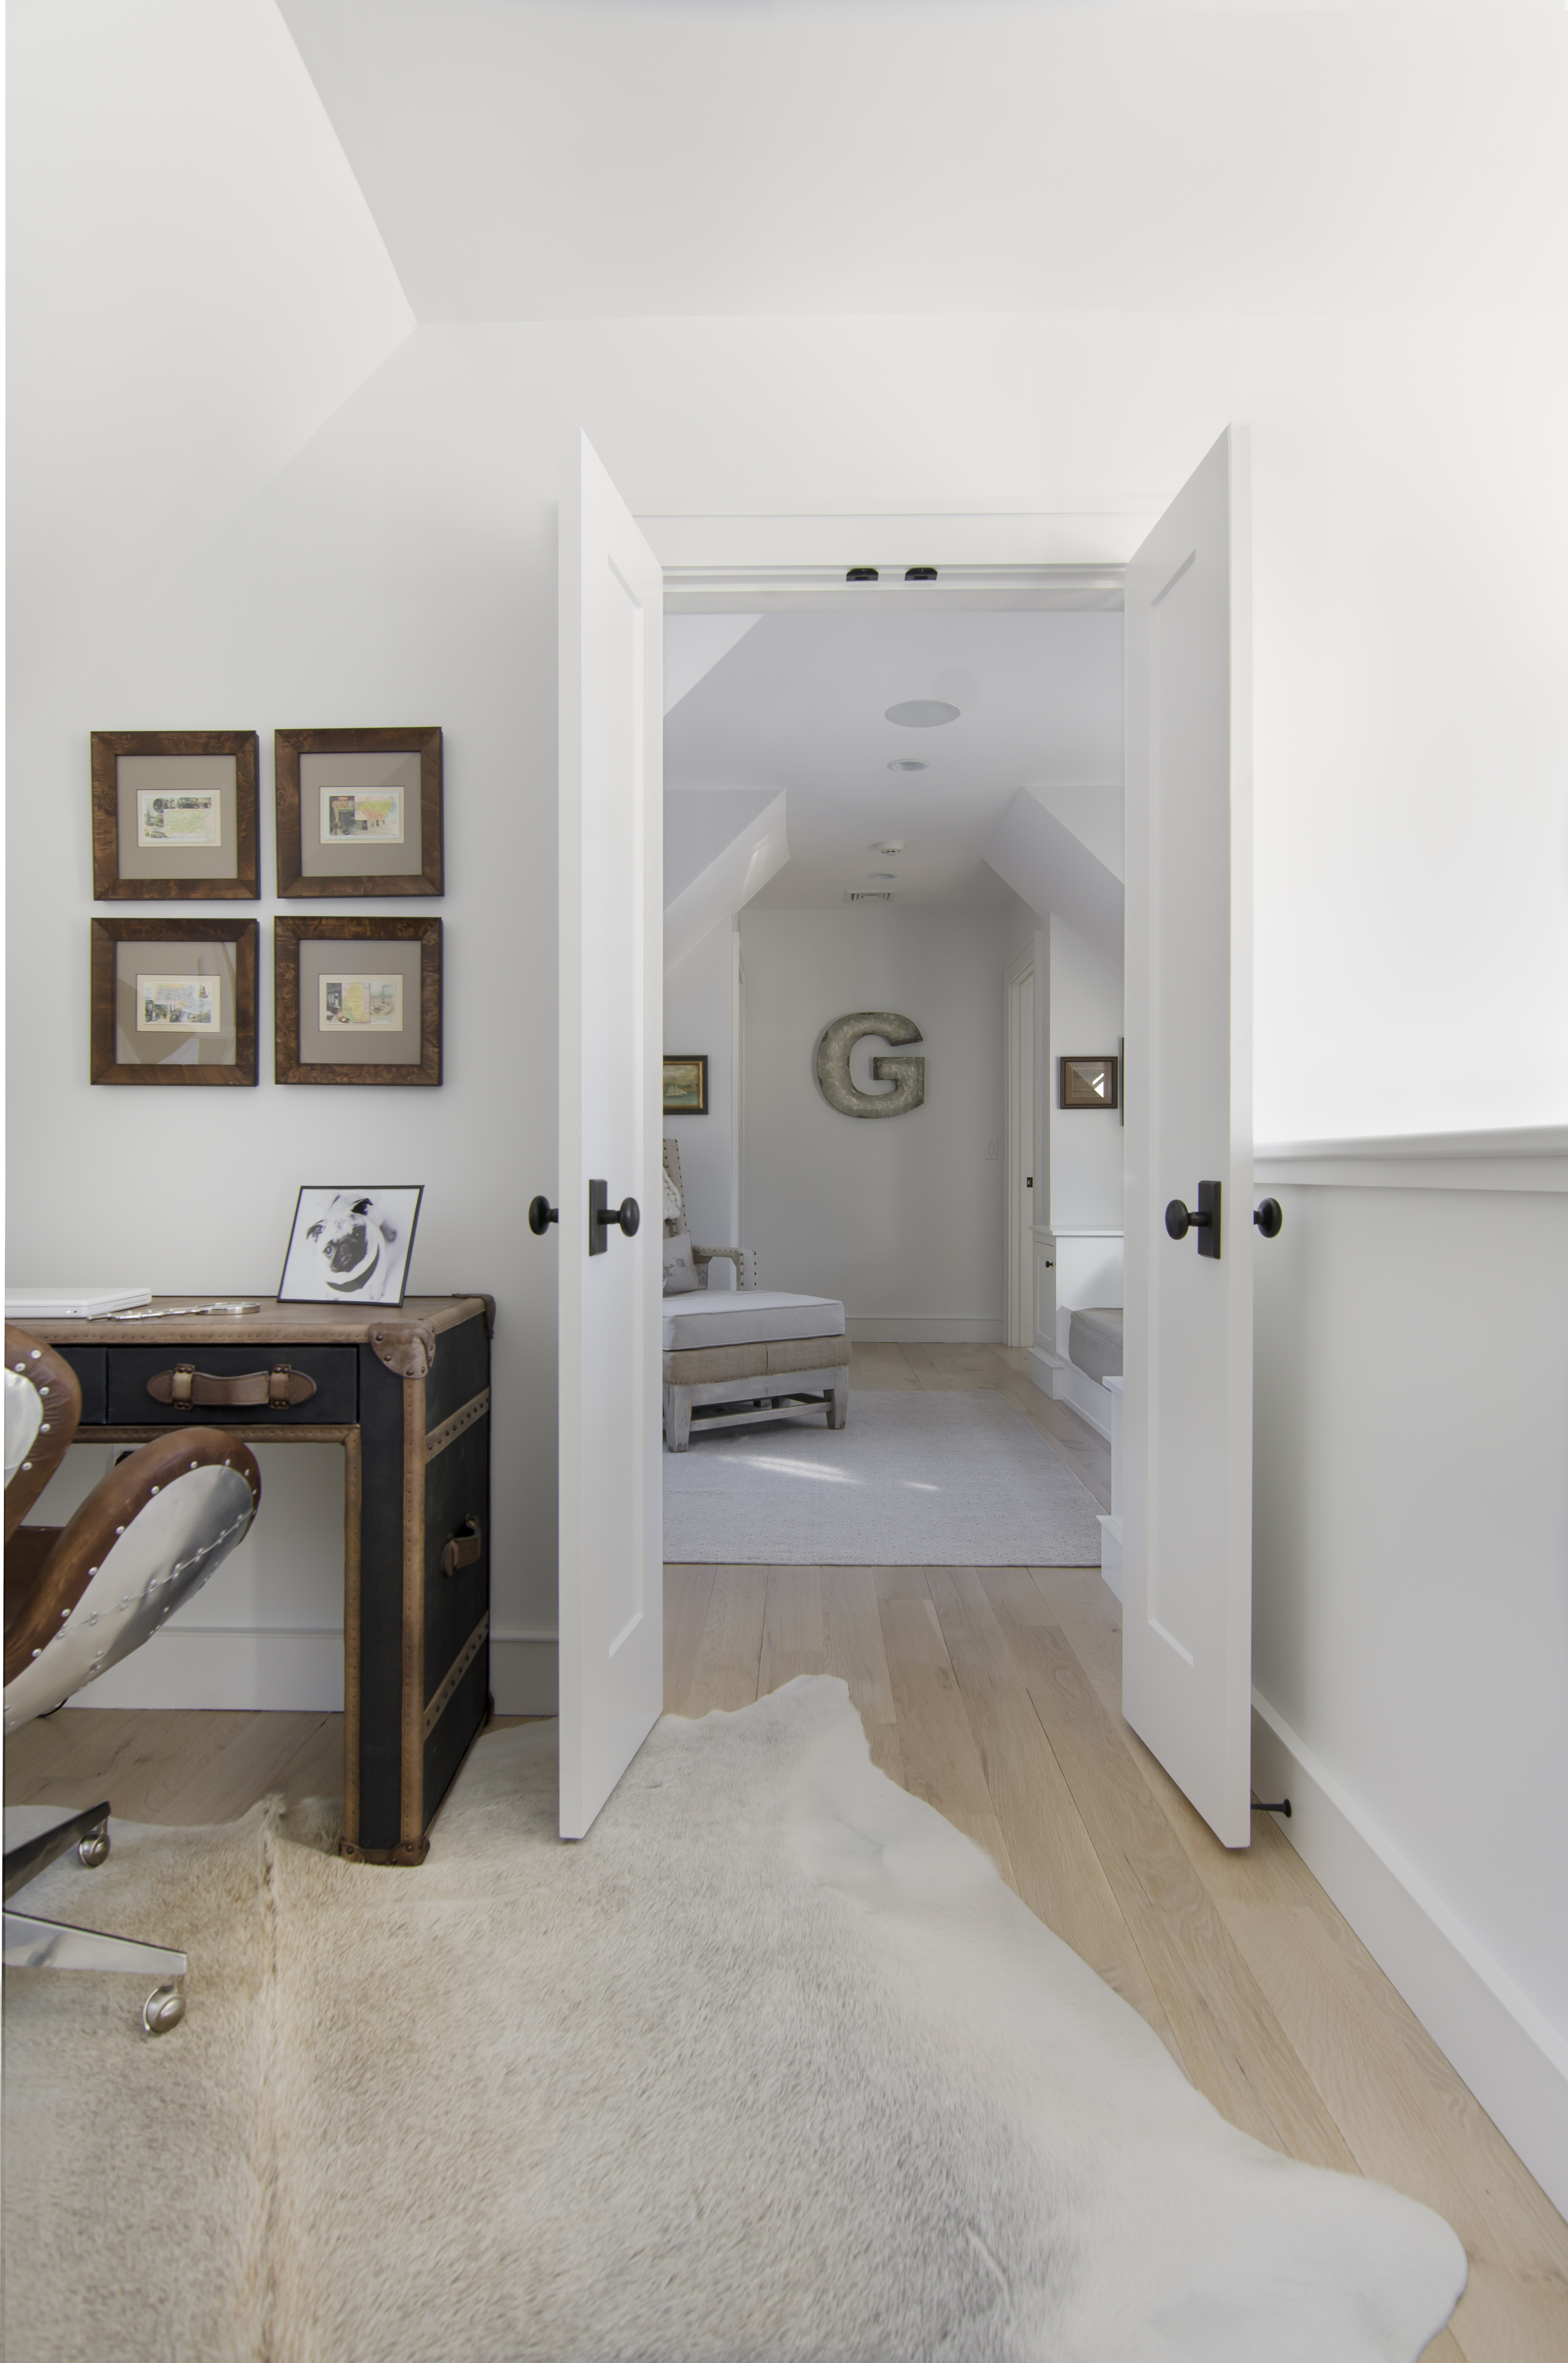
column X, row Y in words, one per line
column 81, row 1597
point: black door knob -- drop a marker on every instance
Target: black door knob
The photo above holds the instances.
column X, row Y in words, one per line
column 603, row 1218
column 1204, row 1219
column 541, row 1214
column 1269, row 1218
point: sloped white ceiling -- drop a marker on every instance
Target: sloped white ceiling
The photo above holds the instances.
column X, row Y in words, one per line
column 540, row 159
column 801, row 705
column 196, row 282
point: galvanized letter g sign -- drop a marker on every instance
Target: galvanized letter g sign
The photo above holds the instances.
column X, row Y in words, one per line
column 832, row 1066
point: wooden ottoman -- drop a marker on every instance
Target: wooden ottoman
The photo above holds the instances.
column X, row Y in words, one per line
column 751, row 1354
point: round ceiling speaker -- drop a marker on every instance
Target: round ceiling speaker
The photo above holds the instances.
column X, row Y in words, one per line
column 907, row 763
column 922, row 713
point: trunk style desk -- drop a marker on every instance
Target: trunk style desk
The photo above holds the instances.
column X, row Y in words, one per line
column 406, row 1393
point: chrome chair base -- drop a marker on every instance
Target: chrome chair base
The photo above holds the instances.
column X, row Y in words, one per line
column 34, row 1943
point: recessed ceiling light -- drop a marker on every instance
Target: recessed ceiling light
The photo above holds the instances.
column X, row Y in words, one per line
column 904, row 763
column 923, row 712
column 883, row 877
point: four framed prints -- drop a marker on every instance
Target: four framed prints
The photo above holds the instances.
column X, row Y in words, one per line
column 175, row 818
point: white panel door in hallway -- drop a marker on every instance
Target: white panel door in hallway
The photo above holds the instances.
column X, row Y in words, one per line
column 612, row 871
column 1186, row 1668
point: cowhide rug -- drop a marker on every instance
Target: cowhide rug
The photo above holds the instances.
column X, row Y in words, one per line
column 772, row 2065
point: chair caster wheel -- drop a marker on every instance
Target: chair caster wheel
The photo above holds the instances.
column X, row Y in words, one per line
column 162, row 2010
column 94, row 1849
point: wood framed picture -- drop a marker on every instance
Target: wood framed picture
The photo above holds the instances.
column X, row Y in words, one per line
column 1089, row 1082
column 351, row 1247
column 686, row 1085
column 357, row 1000
column 174, row 815
column 360, row 812
column 173, row 1001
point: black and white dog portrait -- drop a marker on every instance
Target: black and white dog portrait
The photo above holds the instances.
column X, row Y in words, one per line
column 351, row 1247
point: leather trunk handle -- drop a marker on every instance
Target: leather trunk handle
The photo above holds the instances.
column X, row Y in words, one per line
column 277, row 1388
column 464, row 1549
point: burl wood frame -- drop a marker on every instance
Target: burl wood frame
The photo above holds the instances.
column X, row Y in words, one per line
column 289, row 934
column 108, row 886
column 288, row 746
column 243, row 934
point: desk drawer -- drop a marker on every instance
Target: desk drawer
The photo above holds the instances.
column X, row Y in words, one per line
column 87, row 1361
column 335, row 1370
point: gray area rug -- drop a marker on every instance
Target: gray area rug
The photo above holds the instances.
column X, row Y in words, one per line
column 927, row 1479
column 772, row 2065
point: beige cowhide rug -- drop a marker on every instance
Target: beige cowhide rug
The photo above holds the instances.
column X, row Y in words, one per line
column 771, row 2066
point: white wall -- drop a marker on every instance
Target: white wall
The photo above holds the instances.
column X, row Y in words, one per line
column 195, row 285
column 699, row 1013
column 1411, row 1618
column 901, row 1217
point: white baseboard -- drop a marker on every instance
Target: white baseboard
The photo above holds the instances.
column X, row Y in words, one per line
column 1064, row 1383
column 524, row 1676
column 1110, row 1552
column 297, row 1670
column 1509, row 2054
column 922, row 1329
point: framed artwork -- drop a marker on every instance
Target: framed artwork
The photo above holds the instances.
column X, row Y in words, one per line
column 686, row 1086
column 357, row 1000
column 359, row 812
column 1089, row 1082
column 173, row 1001
column 174, row 815
column 351, row 1247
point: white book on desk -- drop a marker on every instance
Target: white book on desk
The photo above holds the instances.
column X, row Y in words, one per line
column 26, row 1305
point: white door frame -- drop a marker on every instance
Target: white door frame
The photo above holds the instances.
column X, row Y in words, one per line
column 1020, row 1144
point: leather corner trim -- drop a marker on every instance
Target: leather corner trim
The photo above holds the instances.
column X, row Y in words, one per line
column 408, row 1350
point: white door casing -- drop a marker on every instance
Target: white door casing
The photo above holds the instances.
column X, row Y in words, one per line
column 1187, row 1663
column 1019, row 1149
column 610, row 963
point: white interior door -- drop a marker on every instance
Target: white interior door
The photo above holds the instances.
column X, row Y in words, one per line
column 1187, row 1667
column 611, row 875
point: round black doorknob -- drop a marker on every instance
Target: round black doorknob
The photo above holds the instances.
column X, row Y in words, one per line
column 541, row 1214
column 1178, row 1222
column 628, row 1215
column 1269, row 1218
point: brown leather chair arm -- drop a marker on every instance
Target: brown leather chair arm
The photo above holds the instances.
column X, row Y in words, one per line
column 276, row 1388
column 61, row 1394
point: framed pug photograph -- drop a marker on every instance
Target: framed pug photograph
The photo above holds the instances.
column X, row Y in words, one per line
column 686, row 1085
column 357, row 1000
column 174, row 815
column 351, row 1247
column 173, row 1001
column 360, row 812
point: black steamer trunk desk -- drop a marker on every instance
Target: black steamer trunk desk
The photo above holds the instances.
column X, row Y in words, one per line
column 407, row 1393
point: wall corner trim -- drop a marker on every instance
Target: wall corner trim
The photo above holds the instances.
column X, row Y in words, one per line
column 1508, row 2051
column 1533, row 1158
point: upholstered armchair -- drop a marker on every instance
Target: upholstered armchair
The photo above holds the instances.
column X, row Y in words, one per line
column 675, row 1223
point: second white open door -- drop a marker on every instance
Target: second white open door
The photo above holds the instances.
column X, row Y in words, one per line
column 611, row 915
column 1187, row 1433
